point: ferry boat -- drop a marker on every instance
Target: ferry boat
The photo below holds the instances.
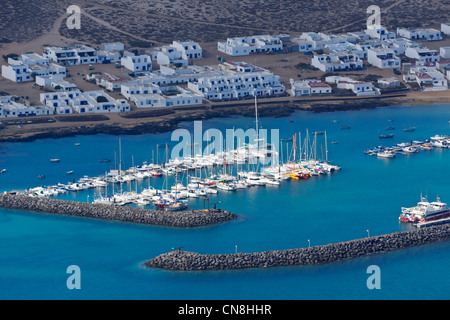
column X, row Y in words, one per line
column 425, row 211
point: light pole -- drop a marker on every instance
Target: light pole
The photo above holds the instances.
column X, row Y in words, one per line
column 309, row 243
column 368, row 233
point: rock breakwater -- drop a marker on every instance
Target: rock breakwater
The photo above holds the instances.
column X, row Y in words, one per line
column 180, row 219
column 191, row 261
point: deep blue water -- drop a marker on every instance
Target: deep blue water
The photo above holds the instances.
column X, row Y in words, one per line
column 367, row 194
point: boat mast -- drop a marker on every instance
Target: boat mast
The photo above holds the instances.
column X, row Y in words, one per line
column 295, row 147
column 256, row 116
column 326, row 147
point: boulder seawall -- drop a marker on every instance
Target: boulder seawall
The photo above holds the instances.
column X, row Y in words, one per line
column 191, row 261
column 180, row 219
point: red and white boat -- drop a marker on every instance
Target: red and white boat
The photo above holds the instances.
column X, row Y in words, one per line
column 425, row 211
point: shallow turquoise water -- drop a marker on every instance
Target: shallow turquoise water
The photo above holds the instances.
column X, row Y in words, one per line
column 35, row 250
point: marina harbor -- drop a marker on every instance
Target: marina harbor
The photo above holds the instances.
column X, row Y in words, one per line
column 199, row 176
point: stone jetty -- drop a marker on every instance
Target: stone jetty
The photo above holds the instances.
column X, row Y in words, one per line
column 191, row 261
column 179, row 219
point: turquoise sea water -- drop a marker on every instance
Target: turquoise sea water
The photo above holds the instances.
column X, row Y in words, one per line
column 365, row 196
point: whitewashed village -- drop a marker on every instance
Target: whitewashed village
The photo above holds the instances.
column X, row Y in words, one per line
column 175, row 75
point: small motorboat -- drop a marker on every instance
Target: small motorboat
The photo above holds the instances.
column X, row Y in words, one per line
column 411, row 129
column 55, row 160
column 69, row 172
column 2, row 171
column 386, row 136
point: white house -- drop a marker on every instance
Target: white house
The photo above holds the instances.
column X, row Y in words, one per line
column 169, row 55
column 308, row 87
column 189, row 49
column 427, row 34
column 134, row 88
column 113, row 46
column 378, row 32
column 383, row 58
column 445, row 28
column 422, row 54
column 137, row 63
column 389, row 82
column 29, row 66
column 173, row 96
column 432, row 81
column 243, row 46
column 336, row 62
column 73, row 55
column 108, row 81
column 398, row 45
column 444, row 52
column 63, row 85
column 360, row 88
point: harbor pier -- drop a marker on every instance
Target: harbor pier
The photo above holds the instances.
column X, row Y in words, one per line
column 179, row 219
column 330, row 253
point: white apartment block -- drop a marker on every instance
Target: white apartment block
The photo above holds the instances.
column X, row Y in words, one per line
column 237, row 85
column 189, row 49
column 137, row 63
column 243, row 46
column 133, row 88
column 29, row 66
column 383, row 58
column 422, row 54
column 428, row 34
column 445, row 28
column 14, row 107
column 71, row 56
column 84, row 102
column 154, row 97
column 336, row 62
column 168, row 76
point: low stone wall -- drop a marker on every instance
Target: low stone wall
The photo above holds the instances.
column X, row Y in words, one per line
column 181, row 219
column 186, row 261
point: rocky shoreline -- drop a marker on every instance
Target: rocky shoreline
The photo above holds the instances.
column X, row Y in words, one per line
column 180, row 219
column 191, row 261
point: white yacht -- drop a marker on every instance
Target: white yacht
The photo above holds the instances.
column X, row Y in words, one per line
column 385, row 154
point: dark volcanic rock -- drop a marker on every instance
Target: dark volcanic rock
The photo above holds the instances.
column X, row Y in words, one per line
column 180, row 219
column 187, row 261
